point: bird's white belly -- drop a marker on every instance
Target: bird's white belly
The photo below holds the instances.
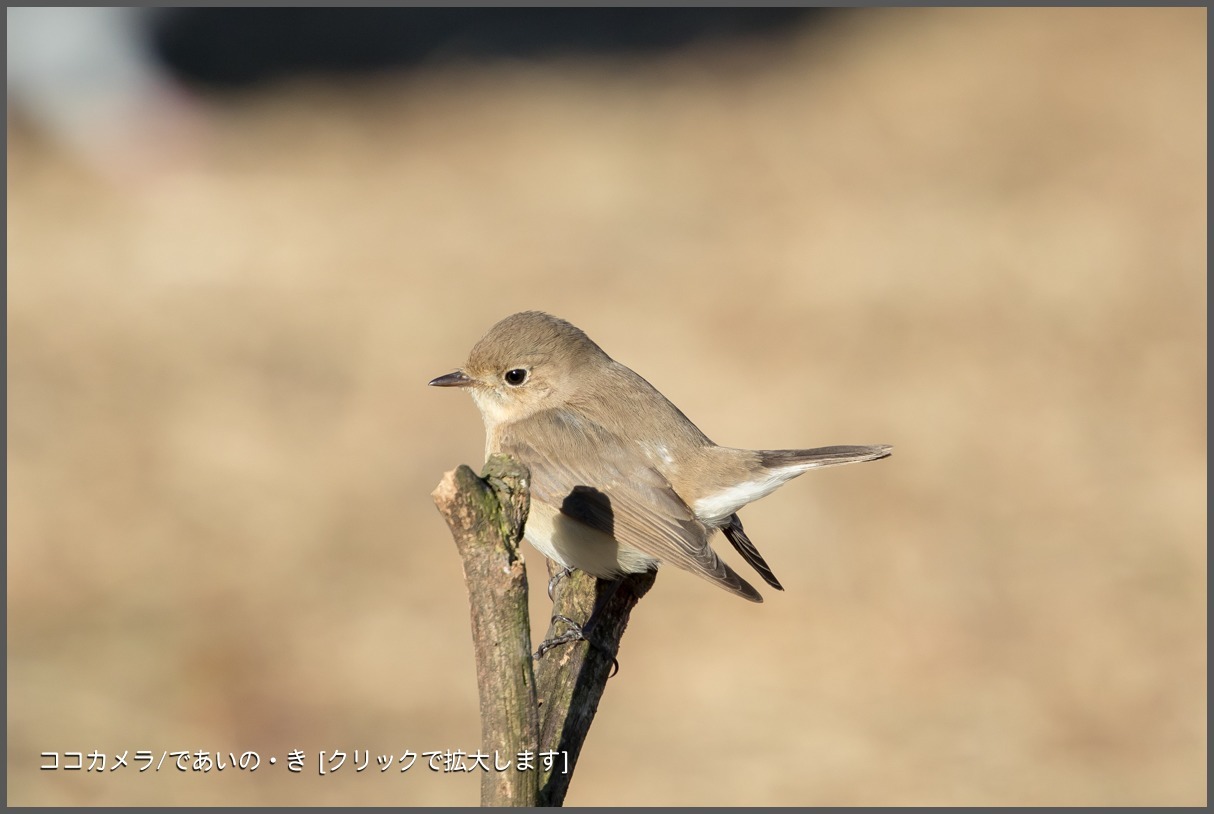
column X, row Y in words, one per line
column 576, row 545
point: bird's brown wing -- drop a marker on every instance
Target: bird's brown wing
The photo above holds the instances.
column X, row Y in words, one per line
column 602, row 480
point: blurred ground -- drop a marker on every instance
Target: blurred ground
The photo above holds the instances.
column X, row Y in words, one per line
column 978, row 235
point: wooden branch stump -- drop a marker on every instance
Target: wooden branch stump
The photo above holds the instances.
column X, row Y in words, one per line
column 486, row 516
column 544, row 710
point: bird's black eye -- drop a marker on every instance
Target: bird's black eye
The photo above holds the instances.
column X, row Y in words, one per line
column 516, row 377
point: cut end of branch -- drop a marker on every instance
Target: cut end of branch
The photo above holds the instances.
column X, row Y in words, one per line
column 445, row 491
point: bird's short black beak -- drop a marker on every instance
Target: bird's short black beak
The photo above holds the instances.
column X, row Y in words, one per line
column 457, row 379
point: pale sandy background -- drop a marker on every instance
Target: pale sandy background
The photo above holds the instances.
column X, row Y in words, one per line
column 978, row 235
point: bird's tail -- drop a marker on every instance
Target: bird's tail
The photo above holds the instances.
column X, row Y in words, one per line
column 747, row 482
column 802, row 459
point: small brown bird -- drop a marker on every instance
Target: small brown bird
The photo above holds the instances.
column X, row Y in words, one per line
column 621, row 480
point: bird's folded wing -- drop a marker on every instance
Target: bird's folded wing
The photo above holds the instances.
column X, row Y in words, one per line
column 602, row 480
column 741, row 541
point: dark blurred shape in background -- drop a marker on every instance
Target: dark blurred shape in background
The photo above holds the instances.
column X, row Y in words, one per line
column 114, row 85
column 228, row 47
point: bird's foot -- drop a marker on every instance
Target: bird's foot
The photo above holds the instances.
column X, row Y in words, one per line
column 575, row 633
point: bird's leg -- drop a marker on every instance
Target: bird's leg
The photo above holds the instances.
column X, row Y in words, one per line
column 576, row 632
column 557, row 577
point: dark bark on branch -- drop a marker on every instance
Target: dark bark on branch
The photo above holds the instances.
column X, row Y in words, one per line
column 571, row 678
column 541, row 708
